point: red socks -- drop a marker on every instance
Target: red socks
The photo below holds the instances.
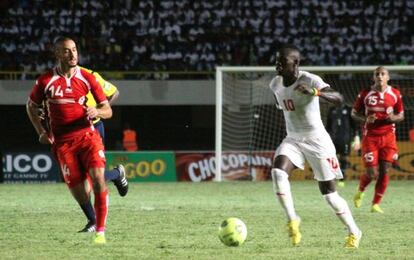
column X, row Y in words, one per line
column 101, row 210
column 380, row 187
column 364, row 180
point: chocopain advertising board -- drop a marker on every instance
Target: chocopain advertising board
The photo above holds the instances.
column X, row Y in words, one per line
column 197, row 166
column 201, row 166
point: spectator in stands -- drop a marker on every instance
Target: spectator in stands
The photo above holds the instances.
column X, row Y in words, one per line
column 352, row 32
column 129, row 140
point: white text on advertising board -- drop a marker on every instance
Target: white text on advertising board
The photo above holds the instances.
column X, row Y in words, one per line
column 145, row 168
column 23, row 163
column 202, row 169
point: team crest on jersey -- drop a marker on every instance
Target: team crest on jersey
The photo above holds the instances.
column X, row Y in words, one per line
column 106, row 86
column 101, row 154
column 395, row 157
column 389, row 110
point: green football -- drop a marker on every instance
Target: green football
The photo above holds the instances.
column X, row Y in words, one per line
column 232, row 232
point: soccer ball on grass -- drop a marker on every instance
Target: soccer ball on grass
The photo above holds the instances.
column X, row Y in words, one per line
column 232, row 232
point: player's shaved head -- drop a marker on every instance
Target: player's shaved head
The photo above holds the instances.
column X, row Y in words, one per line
column 286, row 50
column 287, row 63
column 381, row 68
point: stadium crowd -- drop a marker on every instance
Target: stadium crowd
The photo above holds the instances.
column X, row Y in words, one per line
column 195, row 35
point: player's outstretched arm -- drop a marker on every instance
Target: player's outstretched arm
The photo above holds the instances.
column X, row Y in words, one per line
column 327, row 93
column 331, row 96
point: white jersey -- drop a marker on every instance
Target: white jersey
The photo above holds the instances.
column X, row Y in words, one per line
column 301, row 112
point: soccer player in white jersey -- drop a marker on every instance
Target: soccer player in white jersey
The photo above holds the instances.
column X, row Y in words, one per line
column 297, row 94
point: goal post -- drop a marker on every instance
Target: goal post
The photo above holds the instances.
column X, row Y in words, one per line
column 249, row 127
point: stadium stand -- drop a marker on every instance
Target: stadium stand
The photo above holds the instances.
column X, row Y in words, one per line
column 187, row 35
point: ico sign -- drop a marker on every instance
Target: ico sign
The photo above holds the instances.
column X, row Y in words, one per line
column 29, row 168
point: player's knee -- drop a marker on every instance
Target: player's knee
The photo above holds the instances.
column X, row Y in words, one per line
column 98, row 179
column 99, row 186
column 327, row 187
column 279, row 175
column 335, row 201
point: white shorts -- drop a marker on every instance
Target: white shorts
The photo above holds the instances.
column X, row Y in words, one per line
column 318, row 151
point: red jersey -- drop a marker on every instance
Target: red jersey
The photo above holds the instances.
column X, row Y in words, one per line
column 66, row 99
column 381, row 104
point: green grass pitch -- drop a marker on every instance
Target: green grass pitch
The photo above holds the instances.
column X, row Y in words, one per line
column 180, row 221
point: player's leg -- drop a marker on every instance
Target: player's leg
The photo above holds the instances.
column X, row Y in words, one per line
column 282, row 166
column 338, row 204
column 364, row 180
column 76, row 179
column 342, row 211
column 382, row 181
column 81, row 193
column 101, row 202
column 370, row 160
column 387, row 155
column 93, row 158
column 117, row 174
column 381, row 186
column 321, row 155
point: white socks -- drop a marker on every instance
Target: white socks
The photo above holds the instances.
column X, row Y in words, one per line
column 340, row 207
column 281, row 186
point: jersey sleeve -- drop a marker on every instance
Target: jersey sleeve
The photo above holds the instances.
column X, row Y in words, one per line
column 359, row 102
column 96, row 89
column 108, row 88
column 398, row 107
column 317, row 82
column 37, row 95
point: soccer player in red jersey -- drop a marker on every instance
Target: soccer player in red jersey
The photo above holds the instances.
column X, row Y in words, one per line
column 117, row 175
column 378, row 107
column 77, row 144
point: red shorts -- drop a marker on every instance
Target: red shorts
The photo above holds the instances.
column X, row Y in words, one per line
column 379, row 148
column 79, row 155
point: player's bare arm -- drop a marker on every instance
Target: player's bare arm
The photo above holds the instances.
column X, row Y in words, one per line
column 358, row 116
column 327, row 93
column 33, row 113
column 103, row 111
column 331, row 96
column 113, row 97
column 362, row 118
column 395, row 118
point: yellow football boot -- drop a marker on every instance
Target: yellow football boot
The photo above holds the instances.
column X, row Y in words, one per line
column 294, row 233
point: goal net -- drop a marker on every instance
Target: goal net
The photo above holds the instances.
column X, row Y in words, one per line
column 249, row 127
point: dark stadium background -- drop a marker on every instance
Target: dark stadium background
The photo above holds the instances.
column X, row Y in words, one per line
column 187, row 39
